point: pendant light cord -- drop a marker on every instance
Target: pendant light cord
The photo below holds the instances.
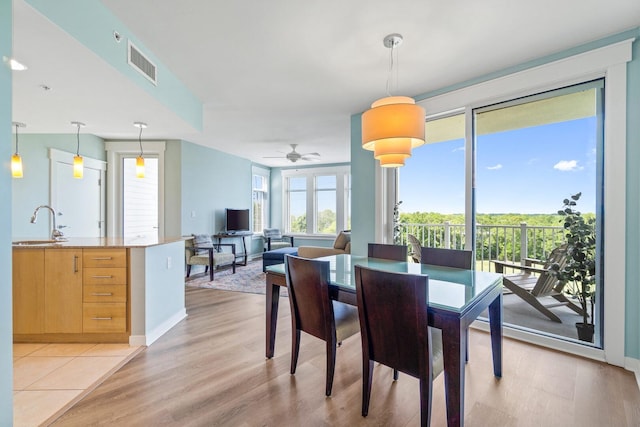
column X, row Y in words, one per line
column 390, row 71
column 140, row 141
column 78, row 146
column 17, row 140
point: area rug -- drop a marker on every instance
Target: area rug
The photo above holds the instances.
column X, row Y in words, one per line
column 249, row 278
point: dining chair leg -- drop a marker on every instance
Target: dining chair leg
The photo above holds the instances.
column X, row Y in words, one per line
column 426, row 387
column 295, row 350
column 188, row 270
column 367, row 378
column 466, row 347
column 331, row 365
column 395, row 375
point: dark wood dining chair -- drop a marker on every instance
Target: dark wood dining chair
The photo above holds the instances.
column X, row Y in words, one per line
column 384, row 251
column 394, row 328
column 454, row 258
column 313, row 311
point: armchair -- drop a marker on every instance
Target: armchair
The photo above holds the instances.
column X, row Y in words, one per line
column 200, row 250
column 275, row 240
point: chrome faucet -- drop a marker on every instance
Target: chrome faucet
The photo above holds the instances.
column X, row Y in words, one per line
column 56, row 234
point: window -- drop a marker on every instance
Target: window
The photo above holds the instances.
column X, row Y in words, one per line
column 317, row 200
column 260, row 199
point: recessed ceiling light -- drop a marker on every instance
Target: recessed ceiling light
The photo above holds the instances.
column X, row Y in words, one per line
column 14, row 64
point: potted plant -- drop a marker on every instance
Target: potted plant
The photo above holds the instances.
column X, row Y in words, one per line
column 397, row 224
column 579, row 271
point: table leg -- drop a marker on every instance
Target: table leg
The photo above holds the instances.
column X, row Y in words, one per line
column 244, row 247
column 454, row 345
column 211, row 264
column 273, row 298
column 495, row 325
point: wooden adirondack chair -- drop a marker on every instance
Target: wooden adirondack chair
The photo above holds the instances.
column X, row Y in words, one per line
column 535, row 283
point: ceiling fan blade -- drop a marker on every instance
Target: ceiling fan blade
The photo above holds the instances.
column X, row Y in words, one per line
column 273, row 157
column 311, row 154
column 309, row 159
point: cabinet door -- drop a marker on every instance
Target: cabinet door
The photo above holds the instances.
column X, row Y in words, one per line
column 28, row 291
column 63, row 290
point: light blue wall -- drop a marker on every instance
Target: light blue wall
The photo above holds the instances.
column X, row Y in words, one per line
column 173, row 189
column 6, row 319
column 363, row 167
column 92, row 24
column 32, row 190
column 362, row 191
column 164, row 284
column 211, row 182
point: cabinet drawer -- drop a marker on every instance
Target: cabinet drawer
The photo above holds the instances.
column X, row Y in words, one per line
column 104, row 317
column 104, row 257
column 104, row 293
column 104, row 276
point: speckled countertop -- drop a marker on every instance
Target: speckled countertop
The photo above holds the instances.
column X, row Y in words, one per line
column 94, row 242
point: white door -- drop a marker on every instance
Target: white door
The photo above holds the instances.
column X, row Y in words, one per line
column 78, row 202
column 140, row 199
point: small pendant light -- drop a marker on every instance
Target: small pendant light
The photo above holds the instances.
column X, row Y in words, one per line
column 140, row 159
column 78, row 161
column 16, row 160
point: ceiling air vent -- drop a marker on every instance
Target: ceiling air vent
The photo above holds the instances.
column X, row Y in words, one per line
column 141, row 63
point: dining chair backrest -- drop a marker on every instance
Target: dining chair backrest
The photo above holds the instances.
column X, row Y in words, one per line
column 307, row 284
column 384, row 251
column 393, row 319
column 455, row 258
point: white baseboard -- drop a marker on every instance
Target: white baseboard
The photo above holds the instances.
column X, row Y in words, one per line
column 633, row 365
column 152, row 336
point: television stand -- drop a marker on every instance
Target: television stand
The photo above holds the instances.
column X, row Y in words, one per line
column 233, row 234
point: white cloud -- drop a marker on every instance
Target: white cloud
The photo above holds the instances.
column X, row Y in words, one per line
column 496, row 167
column 567, row 166
column 458, row 149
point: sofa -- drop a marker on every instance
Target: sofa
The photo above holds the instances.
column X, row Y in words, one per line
column 341, row 245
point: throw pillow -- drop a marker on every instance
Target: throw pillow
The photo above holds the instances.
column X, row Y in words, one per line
column 343, row 238
column 202, row 240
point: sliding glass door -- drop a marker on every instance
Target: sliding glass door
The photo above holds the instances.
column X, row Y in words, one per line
column 531, row 155
column 492, row 179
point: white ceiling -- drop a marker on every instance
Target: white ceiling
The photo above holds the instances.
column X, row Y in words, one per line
column 273, row 73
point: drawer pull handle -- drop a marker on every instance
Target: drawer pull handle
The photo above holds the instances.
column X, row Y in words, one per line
column 102, row 258
column 102, row 294
column 102, row 277
column 102, row 318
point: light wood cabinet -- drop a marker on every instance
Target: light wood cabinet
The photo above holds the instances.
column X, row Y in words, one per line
column 70, row 294
column 105, row 290
column 63, row 291
column 28, row 291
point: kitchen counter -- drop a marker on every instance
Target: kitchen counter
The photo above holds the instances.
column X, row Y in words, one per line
column 94, row 242
column 152, row 268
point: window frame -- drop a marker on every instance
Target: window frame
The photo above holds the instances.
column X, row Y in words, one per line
column 265, row 174
column 342, row 174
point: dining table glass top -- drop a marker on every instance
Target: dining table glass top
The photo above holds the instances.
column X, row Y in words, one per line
column 451, row 289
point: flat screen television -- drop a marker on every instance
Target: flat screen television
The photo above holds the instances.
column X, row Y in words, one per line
column 237, row 220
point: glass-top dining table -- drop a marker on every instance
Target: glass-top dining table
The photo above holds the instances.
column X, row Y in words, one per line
column 456, row 299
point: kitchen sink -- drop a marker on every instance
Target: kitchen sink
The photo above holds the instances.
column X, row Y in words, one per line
column 34, row 242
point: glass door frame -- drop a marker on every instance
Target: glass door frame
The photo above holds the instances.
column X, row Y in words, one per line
column 116, row 151
column 609, row 63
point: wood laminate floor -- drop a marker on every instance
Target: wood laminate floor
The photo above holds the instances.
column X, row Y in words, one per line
column 210, row 370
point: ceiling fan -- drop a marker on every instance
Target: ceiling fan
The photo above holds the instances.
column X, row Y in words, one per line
column 293, row 156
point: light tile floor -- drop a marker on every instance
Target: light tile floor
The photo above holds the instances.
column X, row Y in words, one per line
column 50, row 378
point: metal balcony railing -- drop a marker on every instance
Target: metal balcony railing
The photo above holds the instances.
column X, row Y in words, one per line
column 513, row 243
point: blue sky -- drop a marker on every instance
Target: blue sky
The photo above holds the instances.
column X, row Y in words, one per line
column 529, row 170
